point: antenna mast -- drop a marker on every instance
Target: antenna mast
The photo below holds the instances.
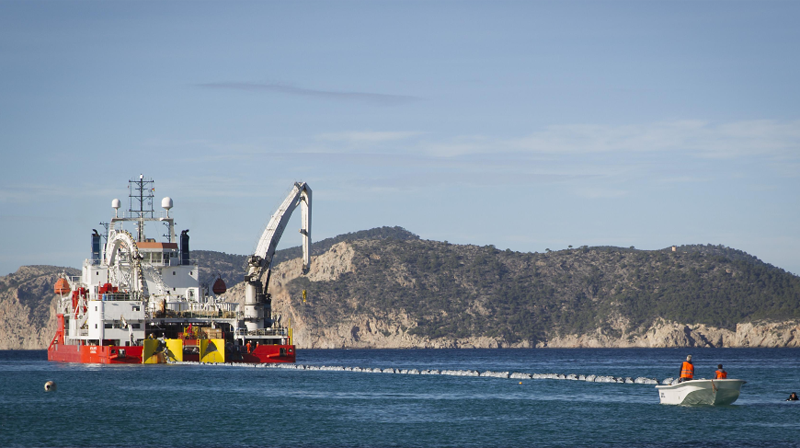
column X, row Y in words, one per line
column 141, row 193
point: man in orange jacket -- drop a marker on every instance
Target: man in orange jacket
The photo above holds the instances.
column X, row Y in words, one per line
column 687, row 370
column 720, row 374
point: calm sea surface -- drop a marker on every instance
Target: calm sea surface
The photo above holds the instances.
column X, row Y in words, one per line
column 237, row 406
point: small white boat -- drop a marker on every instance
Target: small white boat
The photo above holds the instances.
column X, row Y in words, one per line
column 701, row 392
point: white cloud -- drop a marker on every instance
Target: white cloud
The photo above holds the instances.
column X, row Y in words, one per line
column 600, row 193
column 37, row 193
column 775, row 140
column 698, row 138
column 337, row 95
column 368, row 136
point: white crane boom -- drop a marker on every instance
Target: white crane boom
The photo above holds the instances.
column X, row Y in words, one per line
column 257, row 308
column 300, row 195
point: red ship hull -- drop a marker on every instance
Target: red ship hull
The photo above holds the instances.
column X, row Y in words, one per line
column 95, row 354
column 109, row 354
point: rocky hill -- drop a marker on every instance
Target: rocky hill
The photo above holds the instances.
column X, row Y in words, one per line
column 231, row 268
column 213, row 265
column 387, row 288
column 28, row 307
column 416, row 293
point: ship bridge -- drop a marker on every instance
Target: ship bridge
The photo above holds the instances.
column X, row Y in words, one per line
column 159, row 254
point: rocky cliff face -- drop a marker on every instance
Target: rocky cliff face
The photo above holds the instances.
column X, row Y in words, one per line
column 349, row 324
column 28, row 307
column 673, row 334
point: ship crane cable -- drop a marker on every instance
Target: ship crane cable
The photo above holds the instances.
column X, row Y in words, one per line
column 258, row 310
column 118, row 242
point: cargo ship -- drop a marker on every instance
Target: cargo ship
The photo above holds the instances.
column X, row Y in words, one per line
column 140, row 301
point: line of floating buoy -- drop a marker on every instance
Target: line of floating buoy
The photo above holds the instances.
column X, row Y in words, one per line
column 474, row 373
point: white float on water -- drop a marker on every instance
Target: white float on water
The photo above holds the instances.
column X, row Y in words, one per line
column 486, row 374
column 701, row 392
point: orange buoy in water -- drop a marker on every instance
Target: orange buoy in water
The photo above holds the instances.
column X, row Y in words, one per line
column 62, row 287
column 219, row 286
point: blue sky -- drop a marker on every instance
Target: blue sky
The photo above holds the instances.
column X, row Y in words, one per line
column 526, row 125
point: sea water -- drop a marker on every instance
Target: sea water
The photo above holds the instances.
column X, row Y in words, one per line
column 246, row 406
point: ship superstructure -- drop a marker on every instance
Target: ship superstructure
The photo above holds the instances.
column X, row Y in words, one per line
column 139, row 300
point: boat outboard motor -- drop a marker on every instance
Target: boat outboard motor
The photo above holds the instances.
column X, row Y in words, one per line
column 185, row 247
column 95, row 247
